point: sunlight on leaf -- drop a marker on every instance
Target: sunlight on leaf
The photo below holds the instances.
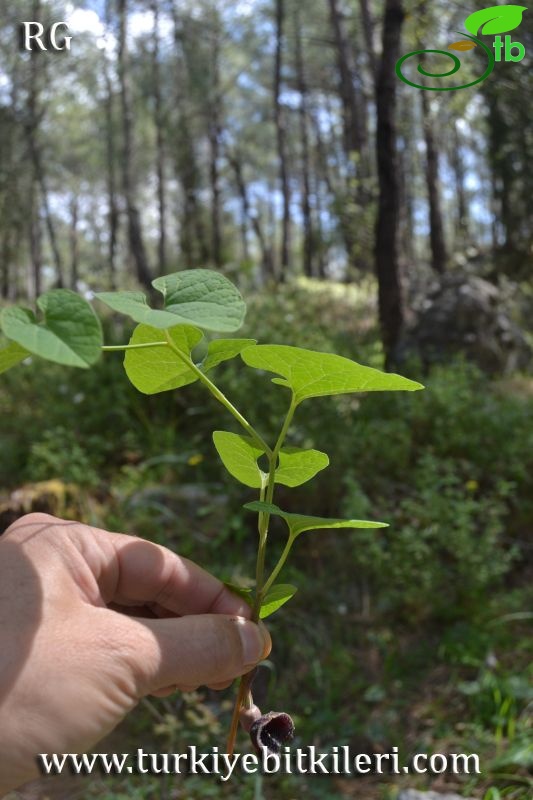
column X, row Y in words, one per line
column 298, row 466
column 312, row 374
column 198, row 297
column 299, row 523
column 159, row 369
column 276, row 597
column 239, row 455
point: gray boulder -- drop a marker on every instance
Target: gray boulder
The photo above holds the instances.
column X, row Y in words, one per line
column 462, row 313
column 412, row 794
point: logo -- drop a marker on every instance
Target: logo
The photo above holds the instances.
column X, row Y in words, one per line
column 491, row 21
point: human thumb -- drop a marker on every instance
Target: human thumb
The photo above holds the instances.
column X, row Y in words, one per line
column 195, row 650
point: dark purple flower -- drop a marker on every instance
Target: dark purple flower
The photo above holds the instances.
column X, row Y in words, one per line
column 272, row 731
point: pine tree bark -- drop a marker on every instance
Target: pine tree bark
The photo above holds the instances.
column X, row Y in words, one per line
column 355, row 141
column 368, row 32
column 267, row 265
column 304, row 143
column 355, row 135
column 193, row 236
column 74, row 242
column 113, row 213
column 456, row 158
column 135, row 237
column 159, row 119
column 281, row 136
column 390, row 299
column 214, row 134
column 436, row 225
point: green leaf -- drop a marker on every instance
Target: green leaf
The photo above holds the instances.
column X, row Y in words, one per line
column 220, row 350
column 159, row 369
column 276, row 597
column 241, row 591
column 299, row 523
column 10, row 355
column 298, row 466
column 70, row 333
column 312, row 374
column 496, row 19
column 135, row 305
column 198, row 297
column 203, row 297
column 239, row 455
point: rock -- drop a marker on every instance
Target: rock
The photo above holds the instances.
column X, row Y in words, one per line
column 412, row 794
column 462, row 313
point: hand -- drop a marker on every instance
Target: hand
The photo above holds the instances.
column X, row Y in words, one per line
column 92, row 621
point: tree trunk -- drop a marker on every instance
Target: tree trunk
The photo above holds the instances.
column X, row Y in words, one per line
column 436, row 225
column 266, row 252
column 368, row 31
column 355, row 141
column 214, row 142
column 456, row 158
column 281, row 135
column 193, row 238
column 111, row 170
column 304, row 140
column 390, row 300
column 351, row 97
column 74, row 243
column 160, row 144
column 135, row 237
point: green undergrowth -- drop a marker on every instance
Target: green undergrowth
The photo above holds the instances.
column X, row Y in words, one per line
column 415, row 635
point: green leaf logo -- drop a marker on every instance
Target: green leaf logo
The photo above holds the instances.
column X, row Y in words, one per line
column 496, row 19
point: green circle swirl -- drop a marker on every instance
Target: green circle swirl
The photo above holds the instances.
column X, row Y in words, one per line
column 452, row 71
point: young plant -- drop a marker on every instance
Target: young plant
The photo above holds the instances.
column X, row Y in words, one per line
column 159, row 357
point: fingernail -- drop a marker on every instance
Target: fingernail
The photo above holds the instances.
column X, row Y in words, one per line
column 253, row 643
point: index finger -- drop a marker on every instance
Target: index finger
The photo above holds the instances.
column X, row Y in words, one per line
column 132, row 571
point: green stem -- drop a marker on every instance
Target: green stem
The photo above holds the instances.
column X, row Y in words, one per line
column 264, row 517
column 244, row 695
column 218, row 395
column 277, row 569
column 111, row 348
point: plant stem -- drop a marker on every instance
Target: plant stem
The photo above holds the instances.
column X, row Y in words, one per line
column 218, row 395
column 264, row 517
column 260, row 587
column 111, row 348
column 277, row 569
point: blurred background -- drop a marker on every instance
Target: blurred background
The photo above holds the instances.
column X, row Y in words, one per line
column 273, row 141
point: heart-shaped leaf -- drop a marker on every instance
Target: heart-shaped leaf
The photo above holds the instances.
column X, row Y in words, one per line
column 198, row 297
column 496, row 19
column 220, row 350
column 276, row 597
column 11, row 354
column 159, row 369
column 203, row 297
column 239, row 455
column 299, row 523
column 135, row 305
column 312, row 374
column 70, row 333
column 299, row 466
